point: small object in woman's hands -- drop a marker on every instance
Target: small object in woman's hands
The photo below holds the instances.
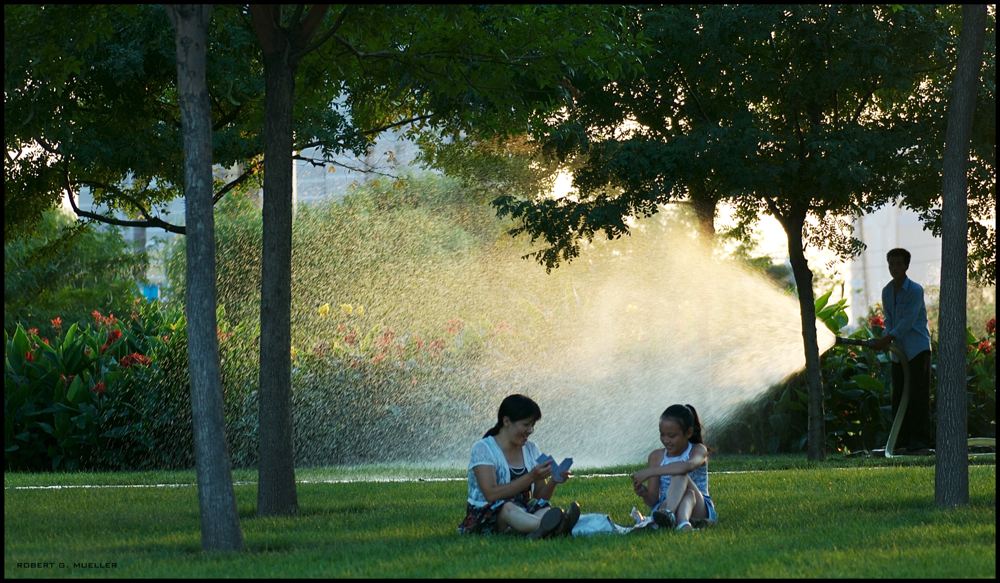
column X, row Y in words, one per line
column 558, row 471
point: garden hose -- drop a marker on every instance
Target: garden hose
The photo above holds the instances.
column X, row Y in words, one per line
column 905, row 398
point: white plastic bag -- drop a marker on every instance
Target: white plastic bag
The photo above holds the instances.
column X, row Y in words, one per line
column 594, row 523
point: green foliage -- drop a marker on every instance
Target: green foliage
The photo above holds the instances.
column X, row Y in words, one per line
column 66, row 270
column 63, row 407
column 93, row 91
column 857, row 402
column 788, row 111
column 113, row 394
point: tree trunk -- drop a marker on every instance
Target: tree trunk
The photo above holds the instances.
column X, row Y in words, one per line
column 816, row 436
column 951, row 475
column 220, row 527
column 704, row 210
column 276, row 464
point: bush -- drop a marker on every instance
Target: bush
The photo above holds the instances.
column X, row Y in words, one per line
column 63, row 405
column 67, row 270
column 857, row 395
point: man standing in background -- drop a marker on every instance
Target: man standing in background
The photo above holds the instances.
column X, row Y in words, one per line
column 906, row 324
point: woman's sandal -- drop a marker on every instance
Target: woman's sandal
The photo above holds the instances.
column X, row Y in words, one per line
column 550, row 521
column 570, row 518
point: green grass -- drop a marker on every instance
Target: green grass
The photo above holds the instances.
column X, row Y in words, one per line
column 837, row 518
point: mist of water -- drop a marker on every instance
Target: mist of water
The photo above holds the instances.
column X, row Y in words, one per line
column 604, row 344
column 672, row 325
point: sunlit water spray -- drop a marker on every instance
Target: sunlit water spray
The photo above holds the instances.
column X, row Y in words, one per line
column 659, row 321
column 604, row 344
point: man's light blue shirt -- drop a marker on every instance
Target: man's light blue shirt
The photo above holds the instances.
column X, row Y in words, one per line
column 906, row 317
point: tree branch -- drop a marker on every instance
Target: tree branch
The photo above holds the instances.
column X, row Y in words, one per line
column 326, row 35
column 357, row 53
column 236, row 182
column 150, row 222
column 318, row 162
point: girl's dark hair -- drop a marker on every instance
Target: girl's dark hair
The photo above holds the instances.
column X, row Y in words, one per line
column 687, row 417
column 515, row 408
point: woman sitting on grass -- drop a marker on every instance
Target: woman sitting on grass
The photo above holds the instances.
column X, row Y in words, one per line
column 677, row 475
column 507, row 490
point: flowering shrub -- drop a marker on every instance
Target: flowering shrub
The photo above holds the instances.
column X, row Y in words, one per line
column 58, row 409
column 111, row 395
column 857, row 398
column 982, row 377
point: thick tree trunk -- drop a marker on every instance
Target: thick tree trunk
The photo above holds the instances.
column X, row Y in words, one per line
column 951, row 475
column 816, row 435
column 276, row 470
column 704, row 209
column 220, row 527
column 282, row 49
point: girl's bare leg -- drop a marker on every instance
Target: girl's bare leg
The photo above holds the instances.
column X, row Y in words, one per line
column 678, row 487
column 685, row 499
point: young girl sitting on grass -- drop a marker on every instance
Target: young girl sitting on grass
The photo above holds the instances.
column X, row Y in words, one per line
column 675, row 483
column 507, row 490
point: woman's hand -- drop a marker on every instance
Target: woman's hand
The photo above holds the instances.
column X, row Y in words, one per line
column 541, row 471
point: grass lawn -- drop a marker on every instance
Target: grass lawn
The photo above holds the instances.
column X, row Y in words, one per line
column 779, row 517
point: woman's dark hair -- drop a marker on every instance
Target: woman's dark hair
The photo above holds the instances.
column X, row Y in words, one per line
column 515, row 408
column 687, row 418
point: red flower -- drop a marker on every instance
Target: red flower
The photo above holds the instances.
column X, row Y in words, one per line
column 436, row 346
column 985, row 347
column 113, row 337
column 33, row 331
column 991, row 326
column 98, row 318
column 455, row 326
column 386, row 339
column 134, row 358
column 29, row 356
column 99, row 388
column 57, row 322
column 351, row 338
column 876, row 321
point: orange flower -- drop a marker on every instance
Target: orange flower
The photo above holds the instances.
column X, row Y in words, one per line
column 57, row 322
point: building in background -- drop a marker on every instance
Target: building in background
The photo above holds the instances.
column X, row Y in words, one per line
column 888, row 228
